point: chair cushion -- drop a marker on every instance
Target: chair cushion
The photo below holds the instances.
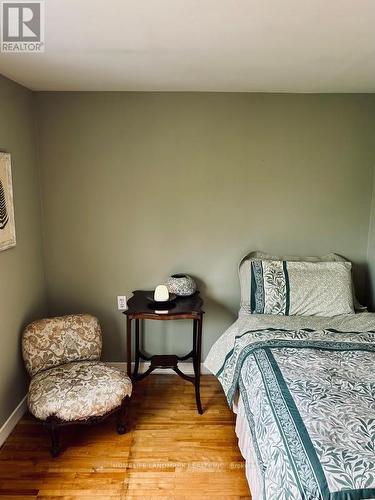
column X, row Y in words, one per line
column 77, row 391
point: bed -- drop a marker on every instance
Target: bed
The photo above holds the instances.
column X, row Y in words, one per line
column 303, row 389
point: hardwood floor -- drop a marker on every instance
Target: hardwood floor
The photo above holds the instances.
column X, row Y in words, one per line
column 169, row 452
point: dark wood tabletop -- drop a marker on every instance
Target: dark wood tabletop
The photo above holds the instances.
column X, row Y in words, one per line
column 139, row 305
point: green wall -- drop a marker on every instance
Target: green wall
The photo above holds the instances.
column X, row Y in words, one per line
column 136, row 186
column 22, row 296
column 371, row 251
column 139, row 185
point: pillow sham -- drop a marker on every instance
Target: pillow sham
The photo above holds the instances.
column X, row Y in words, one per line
column 244, row 274
column 300, row 288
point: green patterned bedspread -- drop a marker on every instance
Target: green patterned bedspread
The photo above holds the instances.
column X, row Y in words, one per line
column 309, row 398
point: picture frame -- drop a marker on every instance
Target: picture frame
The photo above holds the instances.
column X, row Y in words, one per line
column 7, row 222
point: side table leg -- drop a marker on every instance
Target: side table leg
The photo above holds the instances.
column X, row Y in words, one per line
column 136, row 365
column 197, row 343
column 129, row 346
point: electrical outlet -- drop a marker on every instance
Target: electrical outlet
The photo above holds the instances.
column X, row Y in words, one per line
column 121, row 303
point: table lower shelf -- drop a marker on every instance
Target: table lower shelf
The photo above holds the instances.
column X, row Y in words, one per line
column 170, row 361
column 164, row 361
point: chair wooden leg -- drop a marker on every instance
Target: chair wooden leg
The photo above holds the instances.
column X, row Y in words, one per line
column 121, row 428
column 55, row 437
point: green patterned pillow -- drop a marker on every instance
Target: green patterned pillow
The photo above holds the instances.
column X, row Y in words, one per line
column 300, row 288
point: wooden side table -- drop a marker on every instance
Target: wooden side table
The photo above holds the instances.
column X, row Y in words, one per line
column 139, row 307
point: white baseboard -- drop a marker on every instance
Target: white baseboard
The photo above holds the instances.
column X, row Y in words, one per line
column 12, row 421
column 186, row 368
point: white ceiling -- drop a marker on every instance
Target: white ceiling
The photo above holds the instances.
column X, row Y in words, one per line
column 203, row 45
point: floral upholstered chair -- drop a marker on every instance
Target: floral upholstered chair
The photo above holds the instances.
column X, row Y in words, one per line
column 68, row 382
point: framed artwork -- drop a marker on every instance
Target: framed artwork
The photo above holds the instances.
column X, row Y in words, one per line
column 7, row 224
